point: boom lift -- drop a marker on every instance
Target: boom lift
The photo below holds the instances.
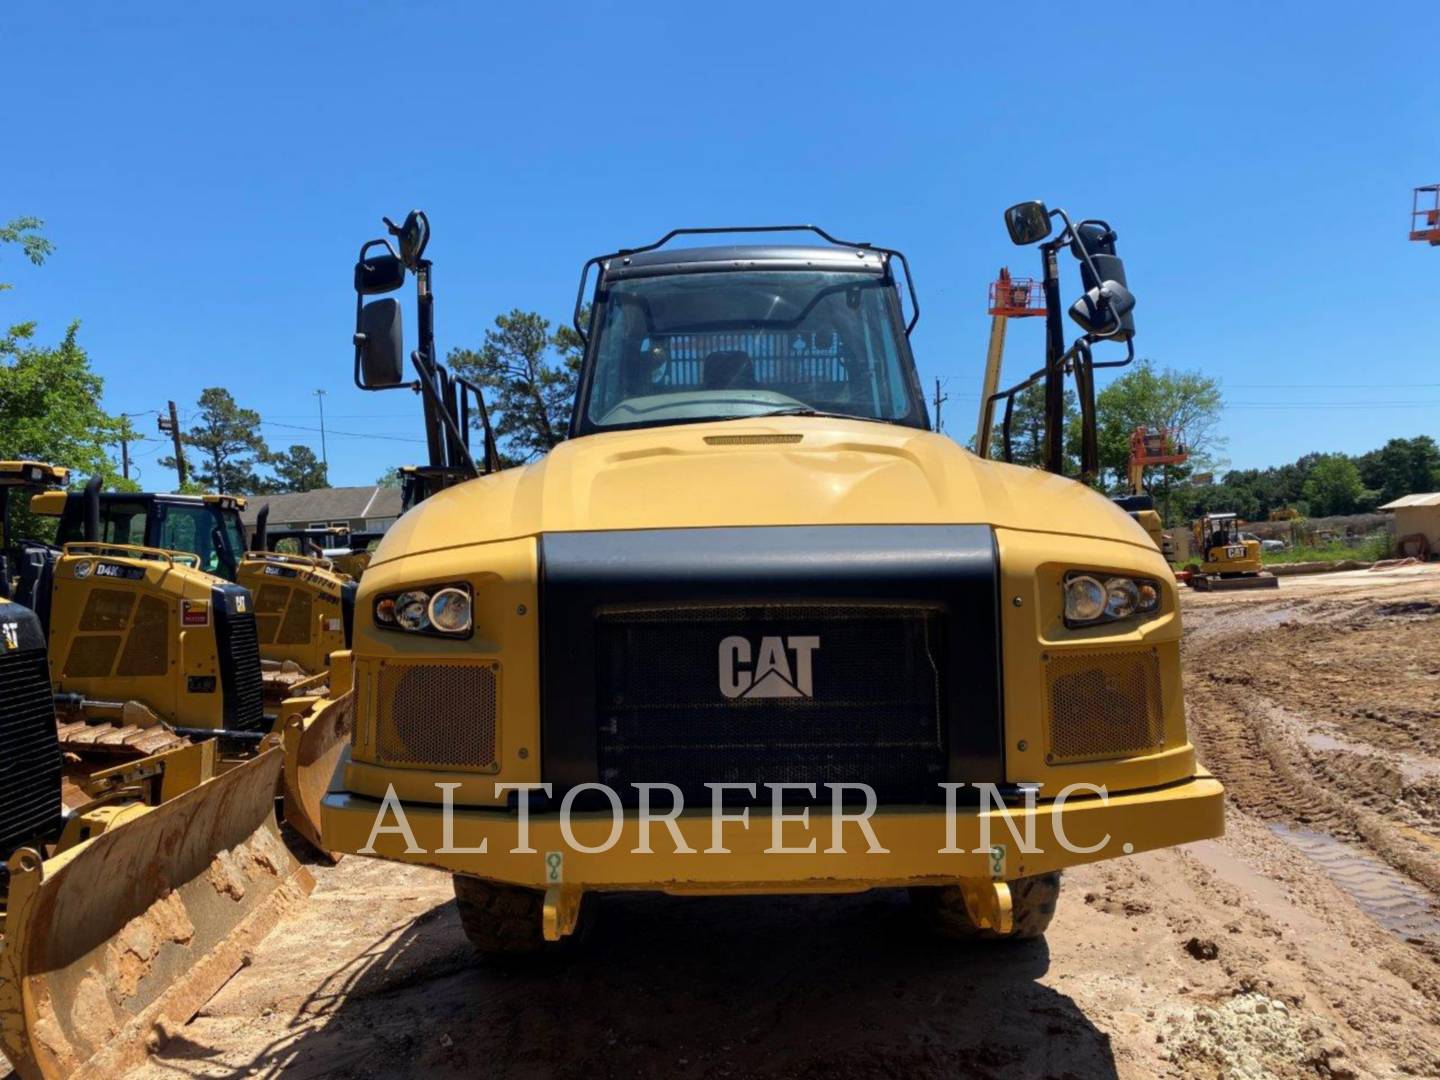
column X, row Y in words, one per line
column 1150, row 447
column 1010, row 298
column 1425, row 215
column 753, row 527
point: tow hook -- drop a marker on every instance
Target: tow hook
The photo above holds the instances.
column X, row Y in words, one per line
column 562, row 909
column 988, row 903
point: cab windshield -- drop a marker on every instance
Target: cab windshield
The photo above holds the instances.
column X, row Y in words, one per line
column 682, row 348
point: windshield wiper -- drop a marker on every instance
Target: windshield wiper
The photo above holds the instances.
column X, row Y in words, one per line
column 806, row 410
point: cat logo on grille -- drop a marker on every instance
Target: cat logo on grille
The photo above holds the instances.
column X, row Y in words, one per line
column 773, row 675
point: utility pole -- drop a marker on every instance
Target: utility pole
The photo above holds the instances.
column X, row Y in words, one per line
column 124, row 456
column 171, row 427
column 939, row 400
column 324, row 458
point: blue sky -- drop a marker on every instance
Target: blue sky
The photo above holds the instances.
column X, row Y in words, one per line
column 207, row 182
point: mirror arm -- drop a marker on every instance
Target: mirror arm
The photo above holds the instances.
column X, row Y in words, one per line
column 433, row 398
column 1129, row 356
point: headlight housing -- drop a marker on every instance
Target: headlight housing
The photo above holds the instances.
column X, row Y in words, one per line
column 438, row 610
column 1093, row 598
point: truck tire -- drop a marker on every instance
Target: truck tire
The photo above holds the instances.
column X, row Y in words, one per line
column 506, row 920
column 1032, row 901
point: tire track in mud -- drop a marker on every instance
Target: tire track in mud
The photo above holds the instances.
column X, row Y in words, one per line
column 1339, row 799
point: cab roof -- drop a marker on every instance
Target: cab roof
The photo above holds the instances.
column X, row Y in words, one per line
column 719, row 258
column 33, row 474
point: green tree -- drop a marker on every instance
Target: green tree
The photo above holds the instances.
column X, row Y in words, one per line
column 25, row 231
column 531, row 373
column 50, row 406
column 298, row 469
column 229, row 445
column 1027, row 429
column 390, row 478
column 1334, row 487
column 1186, row 403
column 1402, row 467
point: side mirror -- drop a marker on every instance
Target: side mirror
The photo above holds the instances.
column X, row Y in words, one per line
column 377, row 274
column 1027, row 222
column 379, row 345
column 1105, row 311
column 412, row 235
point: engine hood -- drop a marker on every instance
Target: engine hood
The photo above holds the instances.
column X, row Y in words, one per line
column 779, row 471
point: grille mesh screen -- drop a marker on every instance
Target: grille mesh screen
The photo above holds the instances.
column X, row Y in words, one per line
column 1104, row 704
column 147, row 647
column 438, row 714
column 295, row 630
column 107, row 609
column 871, row 709
column 29, row 750
column 269, row 610
column 92, row 657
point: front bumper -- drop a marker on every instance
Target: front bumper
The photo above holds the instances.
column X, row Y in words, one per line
column 916, row 840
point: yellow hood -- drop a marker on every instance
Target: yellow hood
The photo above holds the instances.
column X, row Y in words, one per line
column 780, row 471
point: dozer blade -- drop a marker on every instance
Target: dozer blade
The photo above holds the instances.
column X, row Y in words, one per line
column 314, row 738
column 1248, row 581
column 111, row 944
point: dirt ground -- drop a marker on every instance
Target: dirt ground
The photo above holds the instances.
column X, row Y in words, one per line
column 1305, row 943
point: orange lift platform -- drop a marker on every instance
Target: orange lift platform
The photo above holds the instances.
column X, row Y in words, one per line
column 1425, row 214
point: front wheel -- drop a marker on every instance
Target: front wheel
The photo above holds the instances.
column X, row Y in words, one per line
column 1032, row 903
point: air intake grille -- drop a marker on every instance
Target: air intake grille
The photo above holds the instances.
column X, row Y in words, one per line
column 295, row 630
column 147, row 647
column 92, row 657
column 269, row 610
column 1104, row 704
column 107, row 609
column 868, row 709
column 443, row 715
column 244, row 706
column 29, row 750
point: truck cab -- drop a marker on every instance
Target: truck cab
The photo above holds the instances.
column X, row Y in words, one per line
column 755, row 593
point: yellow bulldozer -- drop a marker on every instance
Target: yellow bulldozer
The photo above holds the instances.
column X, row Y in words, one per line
column 302, row 605
column 1228, row 559
column 754, row 628
column 143, row 639
column 128, row 894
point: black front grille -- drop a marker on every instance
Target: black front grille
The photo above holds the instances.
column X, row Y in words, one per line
column 773, row 693
column 239, row 647
column 29, row 750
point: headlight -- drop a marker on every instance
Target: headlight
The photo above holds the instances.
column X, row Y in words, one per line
column 1084, row 598
column 1093, row 598
column 440, row 610
column 449, row 611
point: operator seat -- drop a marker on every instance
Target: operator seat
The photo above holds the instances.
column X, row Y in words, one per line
column 35, row 576
column 729, row 369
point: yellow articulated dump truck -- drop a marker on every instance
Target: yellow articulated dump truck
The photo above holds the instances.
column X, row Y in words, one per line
column 754, row 628
column 128, row 894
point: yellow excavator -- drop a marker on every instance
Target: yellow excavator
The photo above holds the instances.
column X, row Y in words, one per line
column 1228, row 560
column 128, row 894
